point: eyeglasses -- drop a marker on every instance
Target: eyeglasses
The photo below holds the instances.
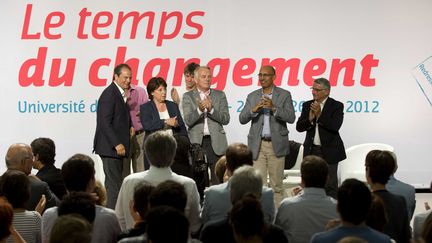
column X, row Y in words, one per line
column 317, row 90
column 265, row 75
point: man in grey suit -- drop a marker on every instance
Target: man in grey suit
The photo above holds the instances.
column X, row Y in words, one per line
column 205, row 112
column 269, row 109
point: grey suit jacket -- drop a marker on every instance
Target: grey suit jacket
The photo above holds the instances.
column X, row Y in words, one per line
column 195, row 121
column 279, row 133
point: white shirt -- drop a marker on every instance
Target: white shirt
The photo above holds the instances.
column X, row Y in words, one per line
column 203, row 96
column 155, row 176
column 317, row 139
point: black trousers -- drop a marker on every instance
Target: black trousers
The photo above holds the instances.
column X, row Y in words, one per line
column 212, row 158
column 113, row 169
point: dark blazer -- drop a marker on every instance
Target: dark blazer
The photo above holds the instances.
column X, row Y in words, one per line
column 113, row 123
column 397, row 227
column 151, row 121
column 329, row 123
column 52, row 175
column 37, row 189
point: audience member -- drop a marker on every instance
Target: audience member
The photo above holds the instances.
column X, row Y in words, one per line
column 419, row 220
column 379, row 167
column 427, row 229
column 167, row 224
column 351, row 239
column 248, row 225
column 6, row 227
column 245, row 180
column 71, row 228
column 304, row 215
column 79, row 203
column 160, row 148
column 79, row 176
column 220, row 169
column 377, row 216
column 139, row 209
column 400, row 188
column 15, row 187
column 101, row 194
column 20, row 157
column 44, row 158
column 353, row 203
column 217, row 201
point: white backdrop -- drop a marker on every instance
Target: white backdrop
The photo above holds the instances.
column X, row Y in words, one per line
column 376, row 53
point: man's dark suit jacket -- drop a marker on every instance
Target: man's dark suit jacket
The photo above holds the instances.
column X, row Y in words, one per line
column 113, row 123
column 151, row 121
column 37, row 189
column 328, row 123
column 52, row 175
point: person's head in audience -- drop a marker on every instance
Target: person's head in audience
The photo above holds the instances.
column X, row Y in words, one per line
column 71, row 228
column 141, row 198
column 427, row 229
column 166, row 224
column 377, row 216
column 183, row 147
column 160, row 148
column 237, row 154
column 220, row 169
column 353, row 201
column 15, row 187
column 80, row 203
column 43, row 151
column 245, row 180
column 314, row 171
column 101, row 194
column 189, row 75
column 20, row 157
column 79, row 174
column 6, row 216
column 379, row 166
column 169, row 193
column 247, row 219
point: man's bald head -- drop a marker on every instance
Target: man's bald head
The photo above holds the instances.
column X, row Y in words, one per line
column 19, row 157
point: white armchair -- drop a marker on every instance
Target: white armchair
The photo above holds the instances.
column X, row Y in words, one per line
column 354, row 165
column 292, row 177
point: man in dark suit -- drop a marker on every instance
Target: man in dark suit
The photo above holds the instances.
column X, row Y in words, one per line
column 20, row 157
column 113, row 129
column 322, row 118
column 269, row 109
column 44, row 153
column 205, row 113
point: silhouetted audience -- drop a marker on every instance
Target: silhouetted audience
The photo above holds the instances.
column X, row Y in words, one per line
column 71, row 228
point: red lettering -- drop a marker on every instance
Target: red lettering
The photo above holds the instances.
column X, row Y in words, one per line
column 313, row 68
column 67, row 77
column 244, row 67
column 98, row 23
column 83, row 15
column 163, row 65
column 38, row 65
column 25, row 34
column 368, row 62
column 337, row 66
column 222, row 66
column 136, row 19
column 189, row 22
column 164, row 19
column 50, row 24
column 94, row 72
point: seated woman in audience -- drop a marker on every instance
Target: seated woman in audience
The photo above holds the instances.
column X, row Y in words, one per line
column 101, row 194
column 6, row 227
column 220, row 170
column 15, row 187
column 159, row 113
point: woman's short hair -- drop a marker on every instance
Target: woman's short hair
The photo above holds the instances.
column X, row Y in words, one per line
column 153, row 84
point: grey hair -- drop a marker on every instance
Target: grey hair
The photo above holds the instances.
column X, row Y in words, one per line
column 160, row 149
column 245, row 180
column 323, row 82
column 198, row 68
